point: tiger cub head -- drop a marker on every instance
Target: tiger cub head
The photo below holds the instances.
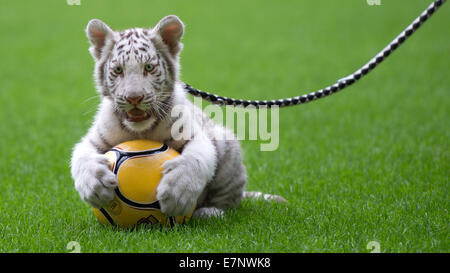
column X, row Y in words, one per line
column 137, row 68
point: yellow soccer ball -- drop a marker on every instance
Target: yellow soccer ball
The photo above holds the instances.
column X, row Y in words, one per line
column 138, row 167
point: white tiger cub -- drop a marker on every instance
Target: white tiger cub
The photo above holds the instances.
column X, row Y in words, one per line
column 137, row 75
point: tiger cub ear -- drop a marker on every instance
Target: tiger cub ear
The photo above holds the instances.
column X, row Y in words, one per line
column 98, row 33
column 171, row 29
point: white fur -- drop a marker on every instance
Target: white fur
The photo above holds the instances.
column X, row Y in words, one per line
column 209, row 172
column 184, row 178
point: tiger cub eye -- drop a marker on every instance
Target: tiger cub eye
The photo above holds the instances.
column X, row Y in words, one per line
column 149, row 67
column 118, row 69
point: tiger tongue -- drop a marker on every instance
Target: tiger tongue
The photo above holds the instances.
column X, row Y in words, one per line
column 136, row 113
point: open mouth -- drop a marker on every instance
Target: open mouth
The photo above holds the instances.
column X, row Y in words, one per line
column 136, row 115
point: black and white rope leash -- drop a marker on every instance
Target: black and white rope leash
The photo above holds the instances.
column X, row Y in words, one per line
column 339, row 85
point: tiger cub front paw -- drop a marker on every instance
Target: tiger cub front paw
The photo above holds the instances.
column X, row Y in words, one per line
column 94, row 181
column 179, row 188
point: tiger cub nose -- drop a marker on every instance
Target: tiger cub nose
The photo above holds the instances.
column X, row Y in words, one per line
column 134, row 99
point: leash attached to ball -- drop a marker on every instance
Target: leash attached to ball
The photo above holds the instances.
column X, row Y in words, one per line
column 339, row 85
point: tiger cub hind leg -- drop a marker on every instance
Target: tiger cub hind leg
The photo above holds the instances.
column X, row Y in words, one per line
column 208, row 212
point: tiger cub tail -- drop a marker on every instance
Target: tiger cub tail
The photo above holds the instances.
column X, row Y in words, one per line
column 267, row 197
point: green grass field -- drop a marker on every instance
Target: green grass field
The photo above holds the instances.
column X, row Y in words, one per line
column 369, row 164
